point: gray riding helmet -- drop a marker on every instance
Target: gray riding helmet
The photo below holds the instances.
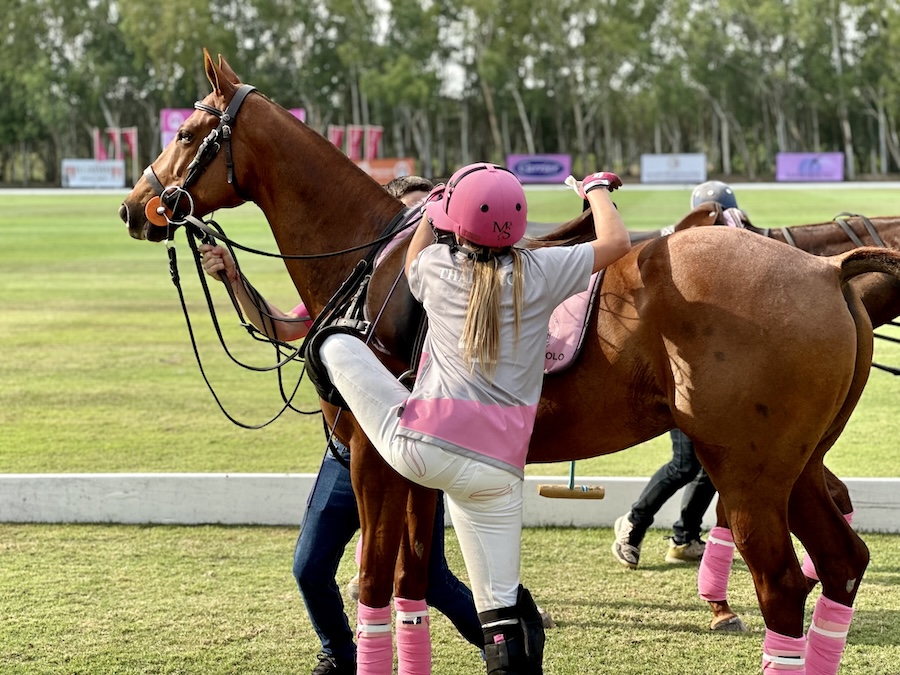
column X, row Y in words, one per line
column 714, row 191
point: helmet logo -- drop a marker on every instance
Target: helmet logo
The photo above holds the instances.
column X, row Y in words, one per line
column 503, row 230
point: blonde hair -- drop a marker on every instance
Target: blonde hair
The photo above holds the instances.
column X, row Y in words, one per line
column 481, row 331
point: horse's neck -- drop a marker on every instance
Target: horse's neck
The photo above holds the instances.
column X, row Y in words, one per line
column 315, row 200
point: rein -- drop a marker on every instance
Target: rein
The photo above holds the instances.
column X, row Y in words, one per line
column 176, row 205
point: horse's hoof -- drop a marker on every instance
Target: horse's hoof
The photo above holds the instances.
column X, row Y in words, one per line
column 731, row 624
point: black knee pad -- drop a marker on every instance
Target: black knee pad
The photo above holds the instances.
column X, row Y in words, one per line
column 315, row 369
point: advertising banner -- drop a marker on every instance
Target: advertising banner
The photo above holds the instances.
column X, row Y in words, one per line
column 540, row 168
column 674, row 168
column 388, row 168
column 93, row 173
column 809, row 166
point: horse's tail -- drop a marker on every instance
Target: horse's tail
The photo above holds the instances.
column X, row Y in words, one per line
column 868, row 259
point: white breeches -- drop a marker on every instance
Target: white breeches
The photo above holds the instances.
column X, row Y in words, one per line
column 485, row 502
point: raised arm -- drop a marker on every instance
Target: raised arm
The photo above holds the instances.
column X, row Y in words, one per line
column 612, row 240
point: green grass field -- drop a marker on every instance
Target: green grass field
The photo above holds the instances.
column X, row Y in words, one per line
column 98, row 375
column 117, row 600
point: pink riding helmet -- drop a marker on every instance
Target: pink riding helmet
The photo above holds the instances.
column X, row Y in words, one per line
column 483, row 203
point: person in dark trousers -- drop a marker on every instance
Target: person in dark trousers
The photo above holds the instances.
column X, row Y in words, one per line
column 684, row 469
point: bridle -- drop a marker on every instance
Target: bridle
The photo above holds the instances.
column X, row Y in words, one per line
column 175, row 204
column 169, row 199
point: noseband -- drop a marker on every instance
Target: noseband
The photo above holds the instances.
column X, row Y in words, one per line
column 168, row 201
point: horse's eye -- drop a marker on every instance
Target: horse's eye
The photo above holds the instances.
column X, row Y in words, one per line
column 185, row 136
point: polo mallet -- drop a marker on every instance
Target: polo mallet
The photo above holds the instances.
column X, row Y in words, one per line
column 572, row 491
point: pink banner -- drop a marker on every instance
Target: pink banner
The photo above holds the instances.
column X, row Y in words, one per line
column 336, row 135
column 129, row 135
column 299, row 113
column 373, row 141
column 809, row 166
column 99, row 148
column 355, row 141
column 115, row 135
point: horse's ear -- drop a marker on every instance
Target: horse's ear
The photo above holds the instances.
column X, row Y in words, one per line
column 228, row 71
column 707, row 213
column 218, row 76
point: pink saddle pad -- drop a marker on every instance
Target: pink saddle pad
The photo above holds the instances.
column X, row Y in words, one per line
column 568, row 324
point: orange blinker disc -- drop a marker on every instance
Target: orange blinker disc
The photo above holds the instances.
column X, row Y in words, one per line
column 152, row 212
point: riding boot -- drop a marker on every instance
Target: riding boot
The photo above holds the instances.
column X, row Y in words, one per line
column 514, row 638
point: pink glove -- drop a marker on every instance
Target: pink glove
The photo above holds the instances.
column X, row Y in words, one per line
column 601, row 179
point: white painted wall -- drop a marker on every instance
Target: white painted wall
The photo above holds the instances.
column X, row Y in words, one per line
column 280, row 499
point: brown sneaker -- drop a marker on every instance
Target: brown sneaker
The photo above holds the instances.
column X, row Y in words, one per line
column 690, row 552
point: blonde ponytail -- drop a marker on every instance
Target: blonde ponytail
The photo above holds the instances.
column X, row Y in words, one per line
column 481, row 331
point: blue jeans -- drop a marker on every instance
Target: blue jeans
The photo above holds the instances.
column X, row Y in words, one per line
column 683, row 469
column 330, row 521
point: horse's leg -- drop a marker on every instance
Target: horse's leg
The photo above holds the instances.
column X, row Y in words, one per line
column 712, row 578
column 841, row 558
column 381, row 495
column 758, row 520
column 841, row 497
column 411, row 582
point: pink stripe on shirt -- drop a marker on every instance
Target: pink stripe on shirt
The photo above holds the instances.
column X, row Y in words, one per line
column 502, row 433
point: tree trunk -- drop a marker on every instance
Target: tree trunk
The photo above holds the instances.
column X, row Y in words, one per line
column 523, row 119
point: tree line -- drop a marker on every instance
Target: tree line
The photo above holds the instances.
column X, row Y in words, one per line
column 454, row 81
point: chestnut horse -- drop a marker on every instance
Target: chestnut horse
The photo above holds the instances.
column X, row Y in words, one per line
column 758, row 351
column 880, row 294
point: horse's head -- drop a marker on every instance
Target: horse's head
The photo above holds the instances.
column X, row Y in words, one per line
column 193, row 175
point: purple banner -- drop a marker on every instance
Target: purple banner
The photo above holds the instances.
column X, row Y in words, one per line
column 540, row 168
column 809, row 166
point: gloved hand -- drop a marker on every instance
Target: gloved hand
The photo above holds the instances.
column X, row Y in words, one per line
column 601, row 179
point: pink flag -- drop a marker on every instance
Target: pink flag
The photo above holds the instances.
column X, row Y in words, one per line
column 129, row 135
column 336, row 135
column 354, row 141
column 115, row 135
column 373, row 140
column 99, row 149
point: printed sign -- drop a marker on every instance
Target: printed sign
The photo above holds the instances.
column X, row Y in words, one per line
column 92, row 173
column 809, row 166
column 674, row 168
column 540, row 168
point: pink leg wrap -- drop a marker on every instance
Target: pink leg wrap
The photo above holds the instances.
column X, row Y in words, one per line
column 783, row 654
column 827, row 636
column 413, row 637
column 809, row 570
column 715, row 565
column 375, row 648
